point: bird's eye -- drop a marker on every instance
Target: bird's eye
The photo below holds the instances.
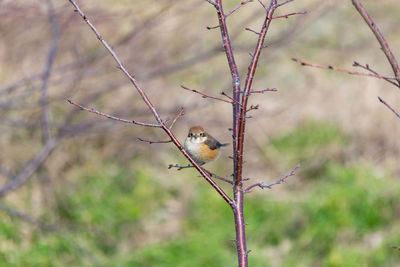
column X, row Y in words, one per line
column 201, row 134
column 190, row 135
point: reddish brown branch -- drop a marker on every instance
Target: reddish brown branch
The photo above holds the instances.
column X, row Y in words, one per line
column 385, row 46
column 92, row 110
column 396, row 247
column 368, row 68
column 264, row 90
column 269, row 186
column 203, row 95
column 253, row 107
column 389, row 107
column 154, row 141
column 290, row 14
column 330, row 67
column 237, row 7
column 181, row 113
column 231, row 98
column 253, row 31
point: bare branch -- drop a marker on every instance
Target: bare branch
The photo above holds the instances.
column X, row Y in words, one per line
column 396, row 247
column 389, row 107
column 181, row 113
column 368, row 68
column 237, row 7
column 212, row 27
column 269, row 186
column 231, row 98
column 253, row 31
column 154, row 142
column 283, row 3
column 212, row 3
column 92, row 110
column 330, row 67
column 205, row 95
column 378, row 34
column 290, row 14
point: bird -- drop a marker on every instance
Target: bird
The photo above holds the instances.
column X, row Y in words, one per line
column 201, row 146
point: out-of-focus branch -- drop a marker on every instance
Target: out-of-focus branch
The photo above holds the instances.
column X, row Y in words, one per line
column 48, row 68
column 379, row 36
column 279, row 181
column 27, row 218
column 30, row 168
column 389, row 107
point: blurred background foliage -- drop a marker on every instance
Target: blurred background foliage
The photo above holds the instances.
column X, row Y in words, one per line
column 102, row 198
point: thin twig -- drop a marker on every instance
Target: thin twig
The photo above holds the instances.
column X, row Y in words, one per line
column 389, row 107
column 154, row 141
column 290, row 14
column 269, row 186
column 237, row 7
column 92, row 110
column 203, row 95
column 181, row 113
column 231, row 98
column 330, row 67
column 253, row 31
column 368, row 68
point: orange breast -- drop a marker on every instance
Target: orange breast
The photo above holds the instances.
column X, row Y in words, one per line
column 206, row 154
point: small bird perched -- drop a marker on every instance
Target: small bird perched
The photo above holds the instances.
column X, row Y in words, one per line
column 201, row 146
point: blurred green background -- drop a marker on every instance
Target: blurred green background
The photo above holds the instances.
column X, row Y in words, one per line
column 102, row 198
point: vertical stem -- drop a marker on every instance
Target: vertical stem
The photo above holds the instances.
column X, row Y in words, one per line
column 240, row 225
column 237, row 155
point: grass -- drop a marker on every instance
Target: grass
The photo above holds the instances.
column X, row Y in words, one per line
column 345, row 215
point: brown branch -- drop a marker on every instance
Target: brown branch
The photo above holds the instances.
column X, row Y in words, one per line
column 368, row 68
column 92, row 110
column 30, row 168
column 212, row 27
column 269, row 186
column 290, row 14
column 179, row 167
column 253, row 107
column 152, row 108
column 396, row 247
column 181, row 113
column 154, row 141
column 378, row 34
column 389, row 107
column 263, row 91
column 203, row 95
column 237, row 7
column 330, row 67
column 253, row 31
column 231, row 98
